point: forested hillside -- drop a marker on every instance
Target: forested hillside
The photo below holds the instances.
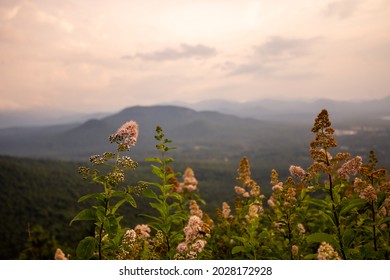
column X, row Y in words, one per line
column 37, row 192
column 39, row 195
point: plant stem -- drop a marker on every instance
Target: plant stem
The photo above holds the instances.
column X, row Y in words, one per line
column 289, row 236
column 101, row 230
column 373, row 226
column 336, row 218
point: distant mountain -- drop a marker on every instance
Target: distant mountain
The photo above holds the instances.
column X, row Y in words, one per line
column 360, row 112
column 200, row 136
column 197, row 135
column 44, row 117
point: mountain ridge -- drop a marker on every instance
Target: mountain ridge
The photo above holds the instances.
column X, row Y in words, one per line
column 187, row 127
column 266, row 109
column 198, row 135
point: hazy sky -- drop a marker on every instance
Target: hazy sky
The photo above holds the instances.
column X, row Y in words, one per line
column 106, row 55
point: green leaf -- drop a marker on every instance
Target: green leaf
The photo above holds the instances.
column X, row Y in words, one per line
column 168, row 160
column 320, row 203
column 177, row 196
column 150, row 194
column 86, row 248
column 348, row 237
column 154, row 159
column 328, row 215
column 85, row 215
column 321, row 237
column 157, row 219
column 169, row 176
column 100, row 180
column 241, row 239
column 115, row 208
column 158, row 185
column 100, row 213
column 354, row 203
column 160, row 208
column 383, row 221
column 368, row 222
column 165, row 228
column 177, row 218
column 336, row 196
column 157, row 171
column 128, row 197
column 173, row 206
column 168, row 187
column 310, row 257
column 88, row 196
column 238, row 249
column 302, row 193
column 112, row 226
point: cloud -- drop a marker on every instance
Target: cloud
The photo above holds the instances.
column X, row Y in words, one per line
column 284, row 47
column 8, row 13
column 279, row 56
column 341, row 9
column 185, row 51
column 50, row 19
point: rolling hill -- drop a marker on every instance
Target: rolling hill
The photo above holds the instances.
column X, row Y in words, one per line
column 197, row 135
column 43, row 191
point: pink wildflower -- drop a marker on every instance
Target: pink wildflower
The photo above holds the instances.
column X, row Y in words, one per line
column 278, row 187
column 369, row 193
column 271, row 203
column 351, row 167
column 365, row 190
column 59, row 255
column 297, row 172
column 190, row 183
column 195, row 210
column 255, row 191
column 226, row 210
column 199, row 245
column 253, row 212
column 182, row 247
column 193, row 227
column 239, row 190
column 191, row 188
column 127, row 133
column 326, row 252
column 142, row 231
column 294, row 250
column 301, row 229
column 130, row 235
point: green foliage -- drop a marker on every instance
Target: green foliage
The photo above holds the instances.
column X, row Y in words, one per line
column 336, row 208
column 40, row 245
column 39, row 192
column 166, row 202
column 319, row 213
column 108, row 232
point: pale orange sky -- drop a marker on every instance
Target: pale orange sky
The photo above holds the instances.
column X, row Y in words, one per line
column 96, row 55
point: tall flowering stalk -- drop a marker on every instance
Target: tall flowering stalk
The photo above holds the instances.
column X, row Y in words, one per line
column 165, row 200
column 288, row 207
column 323, row 163
column 338, row 208
column 373, row 188
column 196, row 232
column 248, row 237
column 108, row 231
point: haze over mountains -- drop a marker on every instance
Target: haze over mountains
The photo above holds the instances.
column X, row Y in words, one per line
column 266, row 109
column 212, row 143
column 299, row 110
column 266, row 130
column 196, row 134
